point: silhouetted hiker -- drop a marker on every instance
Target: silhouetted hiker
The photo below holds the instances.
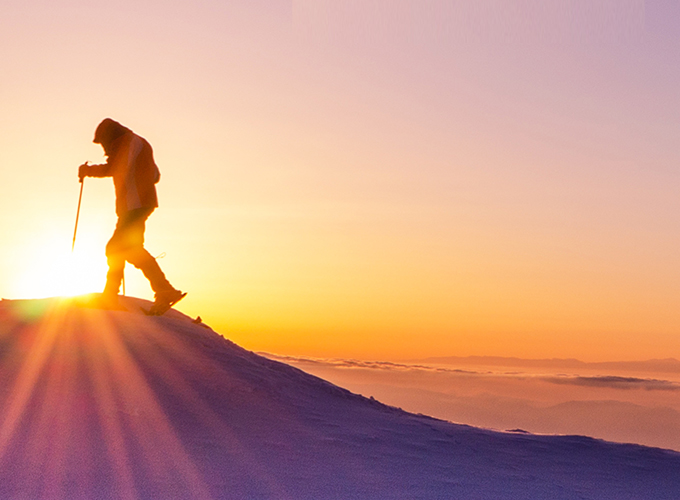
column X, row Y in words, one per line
column 129, row 160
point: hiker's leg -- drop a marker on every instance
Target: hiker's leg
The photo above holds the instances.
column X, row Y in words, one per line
column 143, row 261
column 136, row 255
column 115, row 257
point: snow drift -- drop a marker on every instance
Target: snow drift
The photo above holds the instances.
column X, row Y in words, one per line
column 114, row 404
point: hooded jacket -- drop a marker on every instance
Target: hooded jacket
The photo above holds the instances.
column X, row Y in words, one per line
column 130, row 162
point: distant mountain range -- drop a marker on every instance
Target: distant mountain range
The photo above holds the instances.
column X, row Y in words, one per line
column 668, row 365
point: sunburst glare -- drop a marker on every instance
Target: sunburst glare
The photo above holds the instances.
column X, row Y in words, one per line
column 48, row 268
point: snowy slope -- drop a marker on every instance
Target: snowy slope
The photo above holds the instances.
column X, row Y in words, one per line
column 113, row 404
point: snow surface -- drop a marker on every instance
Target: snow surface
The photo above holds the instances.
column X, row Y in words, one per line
column 113, row 404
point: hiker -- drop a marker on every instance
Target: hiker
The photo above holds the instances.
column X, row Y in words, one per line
column 129, row 160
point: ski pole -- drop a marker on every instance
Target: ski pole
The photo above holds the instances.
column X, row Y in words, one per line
column 80, row 198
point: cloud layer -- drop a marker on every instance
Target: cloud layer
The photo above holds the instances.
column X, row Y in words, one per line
column 598, row 381
column 611, row 401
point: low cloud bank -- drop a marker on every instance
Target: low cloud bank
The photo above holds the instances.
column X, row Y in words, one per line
column 355, row 363
column 600, row 381
column 614, row 382
column 540, row 396
column 668, row 365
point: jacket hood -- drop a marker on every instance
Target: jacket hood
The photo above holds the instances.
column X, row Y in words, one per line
column 108, row 131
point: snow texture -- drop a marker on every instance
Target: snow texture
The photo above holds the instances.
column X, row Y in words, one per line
column 101, row 404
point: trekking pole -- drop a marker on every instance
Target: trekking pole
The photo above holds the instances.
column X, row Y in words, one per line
column 73, row 245
column 80, row 198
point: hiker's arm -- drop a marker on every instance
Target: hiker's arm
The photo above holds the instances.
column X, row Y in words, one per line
column 103, row 170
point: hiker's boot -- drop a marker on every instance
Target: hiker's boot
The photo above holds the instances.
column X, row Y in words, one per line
column 165, row 300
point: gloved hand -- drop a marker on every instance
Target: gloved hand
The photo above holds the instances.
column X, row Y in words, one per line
column 82, row 171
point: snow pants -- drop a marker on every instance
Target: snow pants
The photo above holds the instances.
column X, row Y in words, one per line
column 127, row 244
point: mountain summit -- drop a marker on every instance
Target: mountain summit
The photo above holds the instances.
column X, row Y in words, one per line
column 114, row 404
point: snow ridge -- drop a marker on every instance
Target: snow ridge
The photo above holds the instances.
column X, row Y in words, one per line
column 114, row 404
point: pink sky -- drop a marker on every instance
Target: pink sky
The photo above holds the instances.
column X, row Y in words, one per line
column 365, row 178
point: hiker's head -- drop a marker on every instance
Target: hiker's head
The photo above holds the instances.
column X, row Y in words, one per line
column 108, row 131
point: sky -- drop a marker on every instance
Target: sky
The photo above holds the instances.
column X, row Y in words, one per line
column 371, row 179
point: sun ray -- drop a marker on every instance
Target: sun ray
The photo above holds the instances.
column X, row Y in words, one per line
column 107, row 411
column 46, row 333
column 119, row 375
column 169, row 347
column 163, row 451
column 53, row 431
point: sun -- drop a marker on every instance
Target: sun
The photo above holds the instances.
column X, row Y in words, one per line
column 48, row 268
